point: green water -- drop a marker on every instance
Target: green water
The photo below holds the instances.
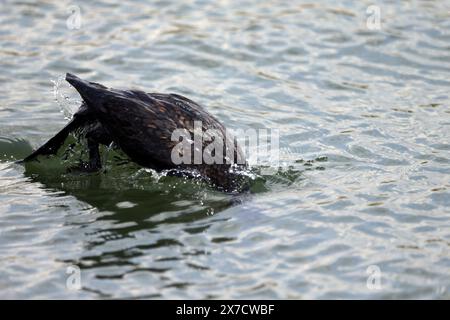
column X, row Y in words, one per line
column 364, row 124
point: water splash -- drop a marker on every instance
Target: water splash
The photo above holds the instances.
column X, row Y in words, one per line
column 105, row 155
column 61, row 91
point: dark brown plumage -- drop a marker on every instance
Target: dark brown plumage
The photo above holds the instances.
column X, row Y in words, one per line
column 141, row 124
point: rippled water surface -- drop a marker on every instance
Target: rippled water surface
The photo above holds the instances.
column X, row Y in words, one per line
column 364, row 123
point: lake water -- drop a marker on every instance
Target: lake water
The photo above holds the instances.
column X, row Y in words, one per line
column 358, row 208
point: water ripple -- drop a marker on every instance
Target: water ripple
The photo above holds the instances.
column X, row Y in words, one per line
column 364, row 128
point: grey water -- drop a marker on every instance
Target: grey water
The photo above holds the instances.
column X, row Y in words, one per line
column 358, row 206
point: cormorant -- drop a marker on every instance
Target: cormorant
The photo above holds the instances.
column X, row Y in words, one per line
column 141, row 125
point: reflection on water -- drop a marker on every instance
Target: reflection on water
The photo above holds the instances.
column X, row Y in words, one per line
column 363, row 116
column 145, row 207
